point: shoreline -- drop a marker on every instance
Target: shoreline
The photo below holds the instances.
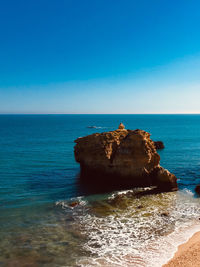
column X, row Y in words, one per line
column 187, row 253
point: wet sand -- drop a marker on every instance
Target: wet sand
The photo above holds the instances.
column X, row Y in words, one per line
column 188, row 254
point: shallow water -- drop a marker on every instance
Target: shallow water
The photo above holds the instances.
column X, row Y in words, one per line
column 39, row 180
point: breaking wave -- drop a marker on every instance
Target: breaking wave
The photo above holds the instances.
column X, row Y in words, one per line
column 131, row 229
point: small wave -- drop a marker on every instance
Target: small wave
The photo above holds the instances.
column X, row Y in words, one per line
column 72, row 203
column 189, row 192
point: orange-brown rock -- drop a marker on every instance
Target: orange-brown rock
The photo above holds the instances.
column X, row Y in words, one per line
column 123, row 157
column 121, row 126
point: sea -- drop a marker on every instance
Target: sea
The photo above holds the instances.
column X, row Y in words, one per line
column 48, row 217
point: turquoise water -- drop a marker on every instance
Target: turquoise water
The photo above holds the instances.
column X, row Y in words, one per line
column 39, row 178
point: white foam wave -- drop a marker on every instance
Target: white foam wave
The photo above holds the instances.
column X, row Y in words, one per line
column 78, row 201
column 189, row 192
column 147, row 236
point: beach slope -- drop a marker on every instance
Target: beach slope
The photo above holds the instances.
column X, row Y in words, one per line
column 188, row 254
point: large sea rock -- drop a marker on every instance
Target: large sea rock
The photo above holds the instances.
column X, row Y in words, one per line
column 126, row 158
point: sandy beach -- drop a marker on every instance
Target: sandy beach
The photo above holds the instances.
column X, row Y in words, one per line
column 187, row 254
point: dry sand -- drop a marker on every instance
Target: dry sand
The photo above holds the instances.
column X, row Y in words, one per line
column 188, row 254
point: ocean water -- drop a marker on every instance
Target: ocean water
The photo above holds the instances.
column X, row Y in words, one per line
column 49, row 218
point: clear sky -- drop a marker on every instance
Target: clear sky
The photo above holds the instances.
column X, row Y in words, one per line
column 100, row 56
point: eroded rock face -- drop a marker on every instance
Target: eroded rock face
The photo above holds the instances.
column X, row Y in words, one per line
column 123, row 157
column 165, row 180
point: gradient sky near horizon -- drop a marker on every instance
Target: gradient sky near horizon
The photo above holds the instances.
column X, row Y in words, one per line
column 99, row 56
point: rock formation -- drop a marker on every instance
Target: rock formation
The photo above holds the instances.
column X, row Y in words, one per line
column 122, row 157
column 159, row 144
column 197, row 189
column 121, row 126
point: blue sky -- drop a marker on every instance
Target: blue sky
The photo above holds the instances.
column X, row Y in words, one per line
column 100, row 56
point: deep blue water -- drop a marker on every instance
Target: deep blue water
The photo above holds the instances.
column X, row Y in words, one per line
column 37, row 166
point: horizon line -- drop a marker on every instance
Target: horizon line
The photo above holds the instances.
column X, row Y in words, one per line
column 99, row 113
